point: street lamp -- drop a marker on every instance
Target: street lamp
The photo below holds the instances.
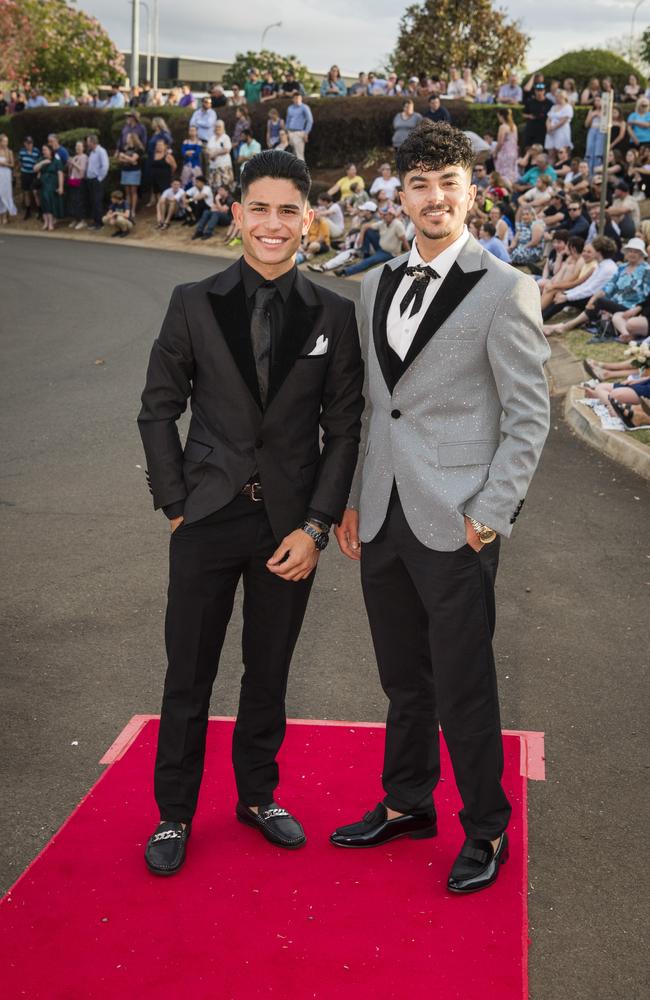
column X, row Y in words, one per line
column 135, row 44
column 636, row 7
column 278, row 24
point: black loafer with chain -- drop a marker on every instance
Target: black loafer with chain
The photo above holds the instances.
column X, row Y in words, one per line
column 165, row 850
column 274, row 823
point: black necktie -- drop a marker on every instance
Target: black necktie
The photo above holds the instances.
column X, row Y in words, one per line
column 421, row 277
column 261, row 337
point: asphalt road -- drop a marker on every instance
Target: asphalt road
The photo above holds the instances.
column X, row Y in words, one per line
column 83, row 593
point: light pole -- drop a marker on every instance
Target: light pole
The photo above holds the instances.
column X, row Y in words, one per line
column 636, row 7
column 148, row 69
column 135, row 44
column 278, row 24
column 156, row 42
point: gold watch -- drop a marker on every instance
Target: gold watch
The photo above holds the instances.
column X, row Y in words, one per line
column 485, row 534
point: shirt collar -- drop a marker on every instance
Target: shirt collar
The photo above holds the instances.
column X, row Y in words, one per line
column 253, row 280
column 445, row 260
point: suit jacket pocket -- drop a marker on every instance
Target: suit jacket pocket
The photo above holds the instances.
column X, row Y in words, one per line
column 455, row 453
column 196, row 451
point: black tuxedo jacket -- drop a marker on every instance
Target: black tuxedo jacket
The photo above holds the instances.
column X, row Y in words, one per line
column 204, row 353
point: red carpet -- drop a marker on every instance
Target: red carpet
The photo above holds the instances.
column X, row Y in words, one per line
column 244, row 919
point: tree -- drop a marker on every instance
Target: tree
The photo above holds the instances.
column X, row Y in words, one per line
column 52, row 45
column 645, row 47
column 279, row 65
column 437, row 34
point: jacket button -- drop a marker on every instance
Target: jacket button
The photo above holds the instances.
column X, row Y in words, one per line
column 395, row 414
column 259, row 443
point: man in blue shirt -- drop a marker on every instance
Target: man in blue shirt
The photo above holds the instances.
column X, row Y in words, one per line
column 36, row 100
column 488, row 238
column 299, row 123
column 96, row 174
column 117, row 99
column 204, row 119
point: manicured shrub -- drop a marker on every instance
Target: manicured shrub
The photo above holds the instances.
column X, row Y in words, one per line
column 585, row 64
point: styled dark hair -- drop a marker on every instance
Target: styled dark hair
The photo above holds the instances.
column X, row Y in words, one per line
column 279, row 165
column 604, row 246
column 489, row 227
column 432, row 146
column 562, row 234
column 576, row 243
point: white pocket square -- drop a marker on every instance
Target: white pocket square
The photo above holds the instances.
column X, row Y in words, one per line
column 320, row 348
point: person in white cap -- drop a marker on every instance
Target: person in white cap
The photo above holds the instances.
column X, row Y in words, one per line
column 627, row 289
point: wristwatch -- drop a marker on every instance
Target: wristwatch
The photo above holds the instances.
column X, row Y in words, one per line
column 320, row 537
column 485, row 534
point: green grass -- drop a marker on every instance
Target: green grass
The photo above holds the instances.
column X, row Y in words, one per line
column 577, row 342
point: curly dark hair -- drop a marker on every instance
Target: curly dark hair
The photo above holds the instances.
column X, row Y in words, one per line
column 432, row 146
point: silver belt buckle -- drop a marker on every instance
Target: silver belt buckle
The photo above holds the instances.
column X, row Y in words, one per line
column 254, row 488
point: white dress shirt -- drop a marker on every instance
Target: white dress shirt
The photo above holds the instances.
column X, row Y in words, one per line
column 401, row 330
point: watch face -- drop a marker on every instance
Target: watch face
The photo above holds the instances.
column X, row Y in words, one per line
column 322, row 541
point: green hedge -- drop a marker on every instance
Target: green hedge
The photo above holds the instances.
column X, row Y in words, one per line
column 357, row 129
column 585, row 64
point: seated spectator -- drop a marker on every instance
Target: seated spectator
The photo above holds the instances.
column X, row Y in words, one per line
column 538, row 196
column 248, row 148
column 343, row 186
column 270, row 89
column 204, row 119
column 219, row 215
column 638, row 124
column 621, row 398
column 633, row 324
column 484, row 95
column 627, row 288
column 640, row 175
column 218, row 152
column 577, row 297
column 384, row 205
column 606, row 370
column 574, row 265
column 330, row 211
column 386, row 181
column 187, row 98
column 579, row 222
column 611, row 230
column 404, row 122
column 489, row 240
column 170, row 205
column 284, row 142
column 556, row 215
column 191, row 156
column 237, row 99
column 505, row 228
column 558, row 125
column 394, row 87
column 540, row 166
column 197, row 200
column 510, row 92
column 624, row 211
column 456, row 87
column 352, row 242
column 360, row 88
column 436, row 112
column 556, row 258
column 357, row 197
column 333, row 85
column 253, row 87
column 632, row 89
column 131, row 160
column 274, row 124
column 528, row 245
column 576, row 183
column 117, row 215
column 316, row 241
column 480, row 177
column 381, row 242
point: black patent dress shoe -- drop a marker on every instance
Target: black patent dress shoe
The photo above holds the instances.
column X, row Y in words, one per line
column 376, row 828
column 274, row 823
column 477, row 865
column 165, row 850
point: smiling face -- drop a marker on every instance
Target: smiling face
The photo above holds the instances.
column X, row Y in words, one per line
column 273, row 217
column 437, row 202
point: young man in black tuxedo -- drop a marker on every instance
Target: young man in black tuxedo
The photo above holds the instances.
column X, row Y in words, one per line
column 268, row 359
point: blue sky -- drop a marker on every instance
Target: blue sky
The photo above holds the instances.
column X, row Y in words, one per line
column 356, row 34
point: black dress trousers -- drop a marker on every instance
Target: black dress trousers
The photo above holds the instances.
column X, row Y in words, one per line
column 207, row 560
column 432, row 617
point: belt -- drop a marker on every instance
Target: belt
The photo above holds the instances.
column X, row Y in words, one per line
column 253, row 491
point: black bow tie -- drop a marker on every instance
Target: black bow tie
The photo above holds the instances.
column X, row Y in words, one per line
column 421, row 275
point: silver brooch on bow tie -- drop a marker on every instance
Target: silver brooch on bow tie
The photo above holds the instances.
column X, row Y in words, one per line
column 418, row 273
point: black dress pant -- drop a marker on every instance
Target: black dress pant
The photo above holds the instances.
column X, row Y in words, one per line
column 557, row 307
column 207, row 560
column 96, row 199
column 432, row 617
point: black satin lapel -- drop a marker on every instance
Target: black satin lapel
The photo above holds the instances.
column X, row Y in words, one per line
column 390, row 279
column 300, row 320
column 231, row 315
column 451, row 293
